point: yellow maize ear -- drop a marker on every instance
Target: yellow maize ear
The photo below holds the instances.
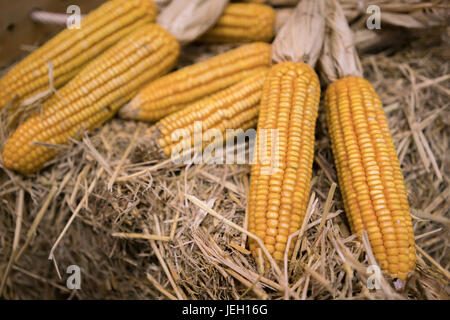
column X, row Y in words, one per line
column 182, row 87
column 369, row 173
column 233, row 108
column 71, row 49
column 242, row 22
column 281, row 173
column 92, row 97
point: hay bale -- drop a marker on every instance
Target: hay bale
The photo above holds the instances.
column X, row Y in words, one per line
column 140, row 230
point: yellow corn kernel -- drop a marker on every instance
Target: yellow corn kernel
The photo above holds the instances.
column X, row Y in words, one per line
column 281, row 173
column 92, row 97
column 369, row 173
column 71, row 49
column 242, row 22
column 182, row 87
column 233, row 108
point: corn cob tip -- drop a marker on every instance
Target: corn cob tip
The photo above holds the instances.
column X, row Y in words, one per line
column 129, row 111
column 8, row 158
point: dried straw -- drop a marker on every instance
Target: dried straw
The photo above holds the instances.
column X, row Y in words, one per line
column 206, row 258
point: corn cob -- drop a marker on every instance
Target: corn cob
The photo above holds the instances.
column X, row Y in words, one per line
column 92, row 97
column 235, row 107
column 369, row 173
column 72, row 49
column 277, row 201
column 242, row 22
column 182, row 87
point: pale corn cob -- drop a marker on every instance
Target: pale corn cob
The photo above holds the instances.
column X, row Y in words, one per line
column 71, row 49
column 279, row 188
column 235, row 107
column 92, row 97
column 242, row 22
column 182, row 87
column 369, row 173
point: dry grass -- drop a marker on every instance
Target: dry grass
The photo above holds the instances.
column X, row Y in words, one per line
column 156, row 230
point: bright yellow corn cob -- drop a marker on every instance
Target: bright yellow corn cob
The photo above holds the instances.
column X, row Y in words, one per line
column 369, row 173
column 71, row 49
column 92, row 97
column 235, row 107
column 182, row 87
column 280, row 181
column 242, row 22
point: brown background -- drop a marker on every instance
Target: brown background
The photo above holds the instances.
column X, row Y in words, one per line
column 17, row 30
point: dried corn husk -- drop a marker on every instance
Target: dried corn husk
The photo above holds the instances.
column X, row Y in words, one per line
column 301, row 37
column 402, row 13
column 187, row 20
column 339, row 57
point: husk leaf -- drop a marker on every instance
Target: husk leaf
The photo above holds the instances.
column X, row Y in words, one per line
column 301, row 37
column 339, row 57
column 187, row 20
